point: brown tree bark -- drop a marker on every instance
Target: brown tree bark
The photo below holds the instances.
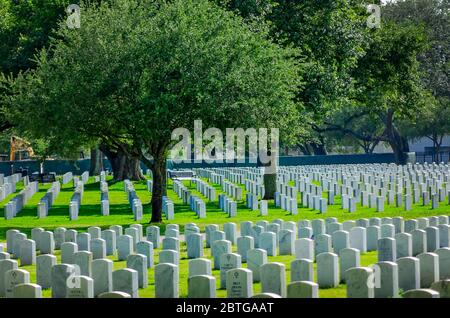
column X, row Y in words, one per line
column 365, row 146
column 304, row 149
column 96, row 162
column 398, row 143
column 123, row 165
column 159, row 188
column 319, row 147
column 270, row 175
column 270, row 186
column 437, row 144
column 159, row 171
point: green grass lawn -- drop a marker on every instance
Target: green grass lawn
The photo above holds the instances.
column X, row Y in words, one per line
column 121, row 214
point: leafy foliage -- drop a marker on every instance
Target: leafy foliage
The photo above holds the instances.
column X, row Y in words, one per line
column 136, row 70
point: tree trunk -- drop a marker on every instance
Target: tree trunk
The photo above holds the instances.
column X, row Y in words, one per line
column 270, row 176
column 96, row 162
column 365, row 145
column 123, row 166
column 270, row 185
column 438, row 144
column 304, row 149
column 398, row 143
column 400, row 147
column 159, row 187
column 158, row 166
column 435, row 155
column 369, row 146
column 319, row 147
column 373, row 146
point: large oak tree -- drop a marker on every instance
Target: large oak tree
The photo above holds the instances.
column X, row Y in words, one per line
column 26, row 27
column 137, row 70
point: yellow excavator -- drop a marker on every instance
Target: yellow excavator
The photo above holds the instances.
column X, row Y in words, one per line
column 20, row 145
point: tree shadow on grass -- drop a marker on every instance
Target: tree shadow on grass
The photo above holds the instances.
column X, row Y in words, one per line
column 92, row 186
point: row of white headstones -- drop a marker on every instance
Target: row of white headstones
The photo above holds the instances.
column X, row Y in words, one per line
column 406, row 261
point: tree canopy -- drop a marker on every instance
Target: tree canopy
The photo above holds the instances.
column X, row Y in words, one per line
column 137, row 70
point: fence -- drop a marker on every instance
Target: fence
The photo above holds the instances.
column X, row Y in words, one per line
column 429, row 157
column 77, row 167
column 298, row 161
column 58, row 166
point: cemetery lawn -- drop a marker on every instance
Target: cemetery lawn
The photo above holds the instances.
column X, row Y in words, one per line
column 149, row 292
column 120, row 214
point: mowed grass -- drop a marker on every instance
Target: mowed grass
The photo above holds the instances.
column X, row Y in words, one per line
column 90, row 212
column 121, row 214
column 149, row 292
